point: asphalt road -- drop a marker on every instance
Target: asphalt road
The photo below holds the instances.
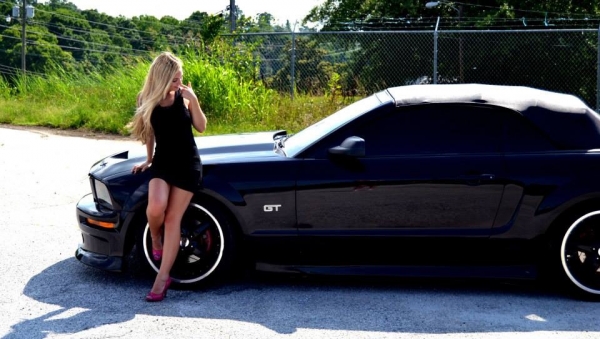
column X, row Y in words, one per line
column 46, row 293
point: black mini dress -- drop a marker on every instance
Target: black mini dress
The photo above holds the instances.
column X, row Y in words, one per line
column 176, row 158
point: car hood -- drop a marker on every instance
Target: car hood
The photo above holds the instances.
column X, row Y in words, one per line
column 212, row 149
column 237, row 145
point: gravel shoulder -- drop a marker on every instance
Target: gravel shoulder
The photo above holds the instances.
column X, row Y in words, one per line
column 80, row 133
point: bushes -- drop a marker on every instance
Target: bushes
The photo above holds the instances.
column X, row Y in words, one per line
column 223, row 77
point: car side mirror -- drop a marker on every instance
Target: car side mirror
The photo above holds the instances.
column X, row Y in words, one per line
column 352, row 147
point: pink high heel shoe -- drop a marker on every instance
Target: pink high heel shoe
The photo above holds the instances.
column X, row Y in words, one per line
column 159, row 296
column 156, row 254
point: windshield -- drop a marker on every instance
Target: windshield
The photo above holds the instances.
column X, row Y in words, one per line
column 308, row 136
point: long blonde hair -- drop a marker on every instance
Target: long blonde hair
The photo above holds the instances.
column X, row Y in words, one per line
column 156, row 87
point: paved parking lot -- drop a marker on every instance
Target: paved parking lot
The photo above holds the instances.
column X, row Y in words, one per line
column 46, row 293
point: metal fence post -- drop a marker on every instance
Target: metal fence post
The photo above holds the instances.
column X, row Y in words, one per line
column 435, row 51
column 598, row 73
column 293, row 64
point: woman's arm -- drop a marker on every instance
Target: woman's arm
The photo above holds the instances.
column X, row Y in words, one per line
column 191, row 101
column 150, row 148
column 149, row 156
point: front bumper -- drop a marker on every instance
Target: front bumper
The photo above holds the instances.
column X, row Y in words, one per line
column 100, row 247
column 100, row 261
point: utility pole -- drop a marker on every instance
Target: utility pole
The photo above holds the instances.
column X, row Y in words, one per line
column 232, row 14
column 24, row 41
column 23, row 13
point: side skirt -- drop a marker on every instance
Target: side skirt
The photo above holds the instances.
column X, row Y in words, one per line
column 526, row 272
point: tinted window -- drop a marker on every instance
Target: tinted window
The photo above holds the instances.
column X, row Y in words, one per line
column 522, row 136
column 305, row 138
column 433, row 129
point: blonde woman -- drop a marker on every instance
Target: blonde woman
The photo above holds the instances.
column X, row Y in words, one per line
column 166, row 110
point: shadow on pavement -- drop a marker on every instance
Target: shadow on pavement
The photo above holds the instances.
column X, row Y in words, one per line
column 90, row 298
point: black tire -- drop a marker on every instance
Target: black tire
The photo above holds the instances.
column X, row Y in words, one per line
column 576, row 252
column 207, row 246
column 135, row 264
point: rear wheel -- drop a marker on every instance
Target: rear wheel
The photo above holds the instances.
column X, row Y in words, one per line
column 206, row 247
column 579, row 248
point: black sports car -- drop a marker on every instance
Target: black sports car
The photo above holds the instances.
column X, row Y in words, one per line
column 429, row 180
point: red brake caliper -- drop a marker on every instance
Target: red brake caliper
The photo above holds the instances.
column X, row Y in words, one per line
column 207, row 240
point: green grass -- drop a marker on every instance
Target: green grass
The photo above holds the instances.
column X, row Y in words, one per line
column 106, row 102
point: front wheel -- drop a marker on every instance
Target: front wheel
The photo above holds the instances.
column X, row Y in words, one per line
column 206, row 247
column 580, row 255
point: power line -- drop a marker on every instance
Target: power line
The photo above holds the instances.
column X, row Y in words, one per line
column 11, row 37
column 86, row 49
column 74, row 40
column 47, row 24
column 87, row 42
column 18, row 70
column 375, row 24
column 89, row 21
column 521, row 10
column 173, row 40
column 36, row 43
column 104, row 24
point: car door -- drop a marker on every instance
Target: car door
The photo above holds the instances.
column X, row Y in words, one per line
column 427, row 189
column 537, row 168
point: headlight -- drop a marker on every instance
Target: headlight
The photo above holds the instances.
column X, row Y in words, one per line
column 102, row 195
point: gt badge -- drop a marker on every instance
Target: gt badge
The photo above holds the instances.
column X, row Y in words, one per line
column 271, row 208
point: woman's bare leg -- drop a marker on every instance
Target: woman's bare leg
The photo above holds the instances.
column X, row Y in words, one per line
column 177, row 204
column 158, row 198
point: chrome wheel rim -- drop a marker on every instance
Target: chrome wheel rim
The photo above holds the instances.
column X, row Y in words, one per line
column 200, row 248
column 580, row 253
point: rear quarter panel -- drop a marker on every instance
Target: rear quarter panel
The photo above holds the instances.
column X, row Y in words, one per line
column 543, row 186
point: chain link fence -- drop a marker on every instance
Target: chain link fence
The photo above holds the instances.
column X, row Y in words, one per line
column 358, row 64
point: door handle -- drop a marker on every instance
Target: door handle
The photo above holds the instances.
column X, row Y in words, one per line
column 485, row 176
column 476, row 179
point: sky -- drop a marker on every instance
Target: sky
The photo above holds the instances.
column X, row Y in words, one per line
column 282, row 10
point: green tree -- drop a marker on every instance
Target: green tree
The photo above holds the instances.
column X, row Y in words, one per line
column 129, row 30
column 56, row 4
column 42, row 52
column 6, row 9
column 155, row 35
column 405, row 14
column 354, row 15
column 312, row 71
column 71, row 29
column 203, row 26
column 533, row 59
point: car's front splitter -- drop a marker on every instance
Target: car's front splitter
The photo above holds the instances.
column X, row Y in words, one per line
column 100, row 261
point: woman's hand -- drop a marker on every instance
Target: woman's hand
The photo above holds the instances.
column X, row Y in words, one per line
column 141, row 167
column 187, row 92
